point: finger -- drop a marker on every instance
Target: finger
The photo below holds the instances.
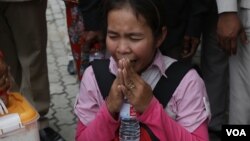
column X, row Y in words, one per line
column 190, row 53
column 126, row 77
column 120, row 64
column 131, row 71
column 186, row 46
column 128, row 81
column 185, row 53
column 243, row 37
column 124, row 91
column 192, row 50
column 91, row 35
column 114, row 99
column 119, row 77
column 221, row 43
column 128, row 94
column 195, row 43
column 186, row 41
column 120, row 68
column 128, row 67
column 128, row 73
column 120, row 90
column 233, row 46
column 131, row 74
column 227, row 45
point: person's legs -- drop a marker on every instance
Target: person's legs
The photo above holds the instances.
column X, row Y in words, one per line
column 239, row 108
column 8, row 44
column 29, row 27
column 76, row 31
column 25, row 50
column 214, row 65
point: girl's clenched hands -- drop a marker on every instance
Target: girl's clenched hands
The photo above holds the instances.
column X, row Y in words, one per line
column 129, row 85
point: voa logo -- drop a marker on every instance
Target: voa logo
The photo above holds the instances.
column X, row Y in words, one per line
column 236, row 132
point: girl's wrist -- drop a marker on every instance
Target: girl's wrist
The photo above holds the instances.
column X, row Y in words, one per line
column 115, row 115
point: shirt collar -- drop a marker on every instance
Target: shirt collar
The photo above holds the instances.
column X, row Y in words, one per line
column 159, row 62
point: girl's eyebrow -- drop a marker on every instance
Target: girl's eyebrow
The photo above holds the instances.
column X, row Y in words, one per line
column 134, row 34
column 126, row 34
column 111, row 32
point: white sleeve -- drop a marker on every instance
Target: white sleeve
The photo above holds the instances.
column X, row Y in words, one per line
column 227, row 6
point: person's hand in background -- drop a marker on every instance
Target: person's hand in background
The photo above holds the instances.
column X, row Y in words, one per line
column 229, row 29
column 92, row 38
column 92, row 35
column 190, row 46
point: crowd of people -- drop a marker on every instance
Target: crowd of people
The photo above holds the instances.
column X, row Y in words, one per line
column 144, row 38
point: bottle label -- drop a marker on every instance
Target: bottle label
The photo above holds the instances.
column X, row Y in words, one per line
column 132, row 111
column 127, row 111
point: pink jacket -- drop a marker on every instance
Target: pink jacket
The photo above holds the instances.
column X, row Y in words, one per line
column 184, row 118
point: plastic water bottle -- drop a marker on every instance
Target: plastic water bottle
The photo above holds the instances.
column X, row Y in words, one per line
column 130, row 127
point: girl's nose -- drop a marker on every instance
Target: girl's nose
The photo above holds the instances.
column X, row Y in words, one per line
column 123, row 47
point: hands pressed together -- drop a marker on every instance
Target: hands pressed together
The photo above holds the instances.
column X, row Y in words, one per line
column 128, row 84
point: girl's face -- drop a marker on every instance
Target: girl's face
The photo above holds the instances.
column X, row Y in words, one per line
column 130, row 37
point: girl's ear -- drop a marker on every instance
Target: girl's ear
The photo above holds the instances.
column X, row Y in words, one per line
column 162, row 37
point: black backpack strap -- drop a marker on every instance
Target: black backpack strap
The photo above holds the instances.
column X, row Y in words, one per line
column 103, row 76
column 150, row 133
column 165, row 87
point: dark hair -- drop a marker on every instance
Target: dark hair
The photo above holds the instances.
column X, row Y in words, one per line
column 152, row 11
